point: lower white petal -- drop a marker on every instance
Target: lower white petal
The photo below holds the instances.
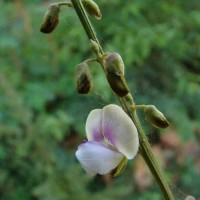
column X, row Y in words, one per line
column 95, row 158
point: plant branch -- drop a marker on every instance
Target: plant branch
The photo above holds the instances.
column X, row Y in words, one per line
column 127, row 102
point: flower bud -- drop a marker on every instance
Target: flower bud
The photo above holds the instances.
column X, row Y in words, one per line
column 83, row 78
column 92, row 8
column 94, row 46
column 189, row 198
column 114, row 63
column 156, row 118
column 51, row 18
column 114, row 68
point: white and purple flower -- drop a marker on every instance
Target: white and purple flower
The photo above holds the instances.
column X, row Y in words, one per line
column 112, row 137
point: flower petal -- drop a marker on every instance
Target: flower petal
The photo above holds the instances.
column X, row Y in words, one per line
column 93, row 125
column 95, row 158
column 120, row 130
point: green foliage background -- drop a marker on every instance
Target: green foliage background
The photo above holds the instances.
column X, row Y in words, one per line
column 42, row 117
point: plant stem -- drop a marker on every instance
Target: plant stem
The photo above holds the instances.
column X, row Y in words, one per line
column 138, row 107
column 69, row 4
column 85, row 22
column 90, row 60
column 127, row 102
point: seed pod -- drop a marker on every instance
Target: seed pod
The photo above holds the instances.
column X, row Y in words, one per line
column 92, row 9
column 156, row 118
column 83, row 78
column 51, row 18
column 114, row 68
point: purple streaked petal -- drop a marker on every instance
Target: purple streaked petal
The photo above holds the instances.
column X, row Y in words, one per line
column 93, row 125
column 119, row 129
column 96, row 158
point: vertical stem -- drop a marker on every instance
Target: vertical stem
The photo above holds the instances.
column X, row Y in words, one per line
column 126, row 103
column 86, row 22
column 145, row 149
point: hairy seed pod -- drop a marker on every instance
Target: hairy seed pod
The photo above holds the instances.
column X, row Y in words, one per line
column 114, row 67
column 83, row 78
column 51, row 18
column 156, row 118
column 92, row 9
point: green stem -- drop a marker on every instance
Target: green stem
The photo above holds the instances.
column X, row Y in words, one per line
column 86, row 22
column 127, row 103
column 90, row 60
column 69, row 4
column 138, row 107
column 145, row 148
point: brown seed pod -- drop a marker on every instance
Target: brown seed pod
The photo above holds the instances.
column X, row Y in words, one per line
column 92, row 9
column 51, row 18
column 114, row 67
column 156, row 118
column 83, row 78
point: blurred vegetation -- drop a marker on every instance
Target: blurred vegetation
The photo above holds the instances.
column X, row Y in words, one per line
column 42, row 117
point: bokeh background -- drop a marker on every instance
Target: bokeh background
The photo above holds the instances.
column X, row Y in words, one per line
column 42, row 117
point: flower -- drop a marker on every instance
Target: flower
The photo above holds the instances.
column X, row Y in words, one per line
column 112, row 137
